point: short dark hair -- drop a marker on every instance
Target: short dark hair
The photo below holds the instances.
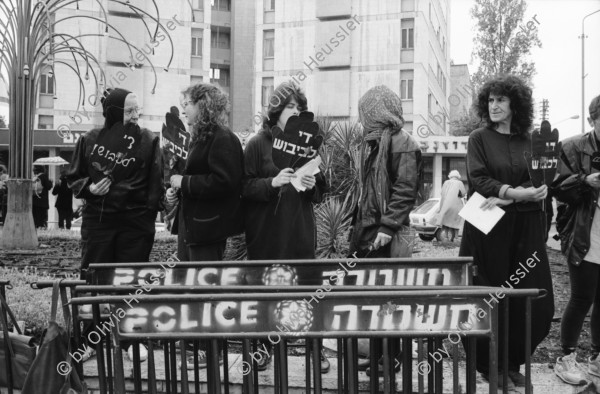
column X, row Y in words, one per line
column 595, row 108
column 282, row 97
column 521, row 102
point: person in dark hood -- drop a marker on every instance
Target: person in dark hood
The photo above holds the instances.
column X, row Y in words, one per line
column 118, row 171
column 39, row 198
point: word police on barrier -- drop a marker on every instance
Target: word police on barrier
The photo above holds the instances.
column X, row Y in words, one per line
column 385, row 272
column 302, row 314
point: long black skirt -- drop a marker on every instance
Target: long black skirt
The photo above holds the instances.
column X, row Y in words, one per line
column 516, row 238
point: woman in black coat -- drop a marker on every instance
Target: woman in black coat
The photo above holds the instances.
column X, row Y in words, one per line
column 209, row 189
column 497, row 169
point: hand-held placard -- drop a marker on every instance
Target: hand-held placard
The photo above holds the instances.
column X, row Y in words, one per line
column 542, row 161
column 298, row 144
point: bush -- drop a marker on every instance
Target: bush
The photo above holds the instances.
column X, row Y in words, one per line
column 29, row 305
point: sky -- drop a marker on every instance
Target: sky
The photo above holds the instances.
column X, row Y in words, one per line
column 558, row 61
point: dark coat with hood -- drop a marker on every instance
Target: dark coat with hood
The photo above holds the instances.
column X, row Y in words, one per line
column 569, row 186
column 210, row 199
column 138, row 175
column 279, row 222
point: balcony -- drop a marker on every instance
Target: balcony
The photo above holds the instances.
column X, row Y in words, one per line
column 220, row 56
column 221, row 18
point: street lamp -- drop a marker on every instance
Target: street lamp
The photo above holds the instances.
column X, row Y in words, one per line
column 583, row 71
column 569, row 118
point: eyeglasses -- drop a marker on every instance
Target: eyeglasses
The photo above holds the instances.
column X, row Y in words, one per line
column 130, row 111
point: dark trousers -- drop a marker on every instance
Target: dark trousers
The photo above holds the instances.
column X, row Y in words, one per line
column 64, row 218
column 212, row 252
column 585, row 291
column 40, row 216
column 517, row 237
column 129, row 239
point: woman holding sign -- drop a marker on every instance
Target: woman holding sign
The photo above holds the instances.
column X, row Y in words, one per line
column 279, row 216
column 209, row 190
column 118, row 171
column 513, row 253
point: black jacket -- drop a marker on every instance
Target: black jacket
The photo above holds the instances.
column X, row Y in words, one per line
column 569, row 187
column 280, row 222
column 211, row 189
column 64, row 199
column 405, row 173
column 140, row 190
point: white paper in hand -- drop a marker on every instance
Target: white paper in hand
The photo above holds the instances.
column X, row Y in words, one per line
column 483, row 220
column 312, row 167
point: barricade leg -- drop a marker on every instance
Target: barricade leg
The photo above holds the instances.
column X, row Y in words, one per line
column 342, row 376
column 167, row 365
column 471, row 348
column 184, row 373
column 151, row 369
column 307, row 374
column 137, row 370
column 248, row 379
column 505, row 329
column 374, row 365
column 406, row 360
column 99, row 351
column 456, row 384
column 316, row 356
column 119, row 381
column 225, row 366
column 196, row 367
column 438, row 369
column 528, row 388
column 420, row 374
column 173, row 362
column 494, row 352
column 281, row 359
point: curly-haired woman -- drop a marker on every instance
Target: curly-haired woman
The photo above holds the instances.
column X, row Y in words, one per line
column 497, row 170
column 210, row 188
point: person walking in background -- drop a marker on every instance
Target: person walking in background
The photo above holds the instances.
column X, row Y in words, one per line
column 64, row 201
column 497, row 169
column 279, row 220
column 40, row 205
column 577, row 183
column 392, row 173
column 453, row 191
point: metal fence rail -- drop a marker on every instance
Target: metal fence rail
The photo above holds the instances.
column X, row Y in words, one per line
column 387, row 288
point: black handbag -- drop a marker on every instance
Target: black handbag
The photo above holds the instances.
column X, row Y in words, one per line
column 53, row 356
column 17, row 351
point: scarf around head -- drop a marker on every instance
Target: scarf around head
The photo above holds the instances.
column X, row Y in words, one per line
column 380, row 111
column 113, row 107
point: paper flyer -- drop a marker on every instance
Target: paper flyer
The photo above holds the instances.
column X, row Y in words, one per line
column 484, row 220
column 312, row 167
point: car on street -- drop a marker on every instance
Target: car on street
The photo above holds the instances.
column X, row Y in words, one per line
column 422, row 219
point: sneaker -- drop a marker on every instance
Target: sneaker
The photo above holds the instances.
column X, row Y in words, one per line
column 509, row 384
column 594, row 366
column 143, row 352
column 567, row 369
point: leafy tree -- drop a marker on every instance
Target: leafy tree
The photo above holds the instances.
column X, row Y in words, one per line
column 503, row 40
column 465, row 124
column 3, row 123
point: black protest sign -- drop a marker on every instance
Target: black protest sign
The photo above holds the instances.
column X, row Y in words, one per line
column 298, row 143
column 542, row 161
column 174, row 136
column 114, row 153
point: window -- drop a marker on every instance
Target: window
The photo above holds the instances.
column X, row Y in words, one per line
column 269, row 44
column 406, row 84
column 198, row 4
column 45, row 122
column 219, row 76
column 46, row 84
column 267, row 91
column 221, row 5
column 221, row 40
column 408, row 34
column 269, row 5
column 196, row 45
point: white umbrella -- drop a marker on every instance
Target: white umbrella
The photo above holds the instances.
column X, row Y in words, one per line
column 51, row 161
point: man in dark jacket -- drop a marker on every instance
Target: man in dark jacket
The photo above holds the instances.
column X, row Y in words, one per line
column 577, row 184
column 40, row 205
column 64, row 202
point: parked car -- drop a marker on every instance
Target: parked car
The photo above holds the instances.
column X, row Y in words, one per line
column 422, row 220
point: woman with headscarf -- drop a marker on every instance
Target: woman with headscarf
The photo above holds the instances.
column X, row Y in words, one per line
column 453, row 191
column 392, row 171
column 118, row 171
